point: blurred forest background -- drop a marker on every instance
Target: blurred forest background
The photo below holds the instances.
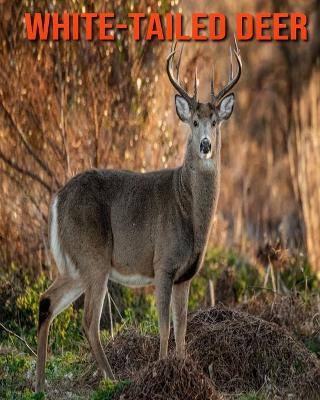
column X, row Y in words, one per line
column 70, row 106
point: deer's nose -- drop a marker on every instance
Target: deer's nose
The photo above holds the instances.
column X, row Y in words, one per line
column 205, row 146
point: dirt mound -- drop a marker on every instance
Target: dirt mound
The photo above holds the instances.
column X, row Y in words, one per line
column 243, row 353
column 291, row 312
column 170, row 379
column 238, row 351
column 130, row 351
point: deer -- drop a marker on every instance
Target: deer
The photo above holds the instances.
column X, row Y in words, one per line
column 139, row 229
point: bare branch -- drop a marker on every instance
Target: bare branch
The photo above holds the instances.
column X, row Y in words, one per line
column 25, row 172
column 18, row 337
column 21, row 135
column 27, row 193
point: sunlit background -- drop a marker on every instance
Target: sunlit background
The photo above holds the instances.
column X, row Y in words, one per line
column 68, row 106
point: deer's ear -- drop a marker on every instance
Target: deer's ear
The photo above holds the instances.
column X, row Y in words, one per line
column 183, row 109
column 226, row 107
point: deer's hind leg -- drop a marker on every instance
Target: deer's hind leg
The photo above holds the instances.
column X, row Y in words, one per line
column 93, row 305
column 59, row 296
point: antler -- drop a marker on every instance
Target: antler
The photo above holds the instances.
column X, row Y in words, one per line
column 176, row 81
column 232, row 80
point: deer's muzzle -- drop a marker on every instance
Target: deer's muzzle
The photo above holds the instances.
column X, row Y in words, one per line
column 205, row 146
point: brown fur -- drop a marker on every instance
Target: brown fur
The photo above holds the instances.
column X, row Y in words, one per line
column 154, row 226
column 205, row 110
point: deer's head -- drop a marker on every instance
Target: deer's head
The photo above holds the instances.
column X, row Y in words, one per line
column 204, row 119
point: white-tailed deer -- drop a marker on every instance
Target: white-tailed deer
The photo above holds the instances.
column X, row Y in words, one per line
column 138, row 229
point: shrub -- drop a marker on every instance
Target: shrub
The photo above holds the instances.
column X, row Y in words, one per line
column 66, row 330
column 246, row 276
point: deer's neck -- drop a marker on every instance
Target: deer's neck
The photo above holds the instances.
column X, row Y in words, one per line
column 199, row 190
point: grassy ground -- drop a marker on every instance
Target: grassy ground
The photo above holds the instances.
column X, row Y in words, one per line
column 70, row 369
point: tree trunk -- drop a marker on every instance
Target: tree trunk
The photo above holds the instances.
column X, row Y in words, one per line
column 304, row 149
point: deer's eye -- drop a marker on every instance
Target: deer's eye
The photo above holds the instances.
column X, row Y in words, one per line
column 195, row 123
column 213, row 123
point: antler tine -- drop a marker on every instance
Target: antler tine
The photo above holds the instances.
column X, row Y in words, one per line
column 176, row 83
column 213, row 97
column 236, row 44
column 178, row 64
column 231, row 65
column 235, row 79
column 172, row 51
column 195, row 92
column 173, row 46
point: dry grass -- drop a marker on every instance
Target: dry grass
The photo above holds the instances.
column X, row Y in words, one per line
column 170, row 379
column 130, row 352
column 291, row 312
column 241, row 353
column 244, row 353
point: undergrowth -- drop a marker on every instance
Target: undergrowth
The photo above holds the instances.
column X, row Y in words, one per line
column 69, row 352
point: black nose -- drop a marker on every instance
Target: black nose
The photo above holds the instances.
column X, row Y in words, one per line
column 205, row 146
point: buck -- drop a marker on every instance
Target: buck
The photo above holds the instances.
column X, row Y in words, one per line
column 138, row 229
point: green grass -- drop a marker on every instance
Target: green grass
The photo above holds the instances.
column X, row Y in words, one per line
column 313, row 344
column 108, row 389
column 69, row 359
column 63, row 374
column 17, row 372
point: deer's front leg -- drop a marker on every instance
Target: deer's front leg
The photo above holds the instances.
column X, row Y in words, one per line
column 180, row 295
column 163, row 283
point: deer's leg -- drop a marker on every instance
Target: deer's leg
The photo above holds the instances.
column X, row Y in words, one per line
column 60, row 295
column 163, row 298
column 180, row 295
column 93, row 305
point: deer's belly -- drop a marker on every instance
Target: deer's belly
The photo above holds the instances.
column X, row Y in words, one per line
column 132, row 258
column 133, row 280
